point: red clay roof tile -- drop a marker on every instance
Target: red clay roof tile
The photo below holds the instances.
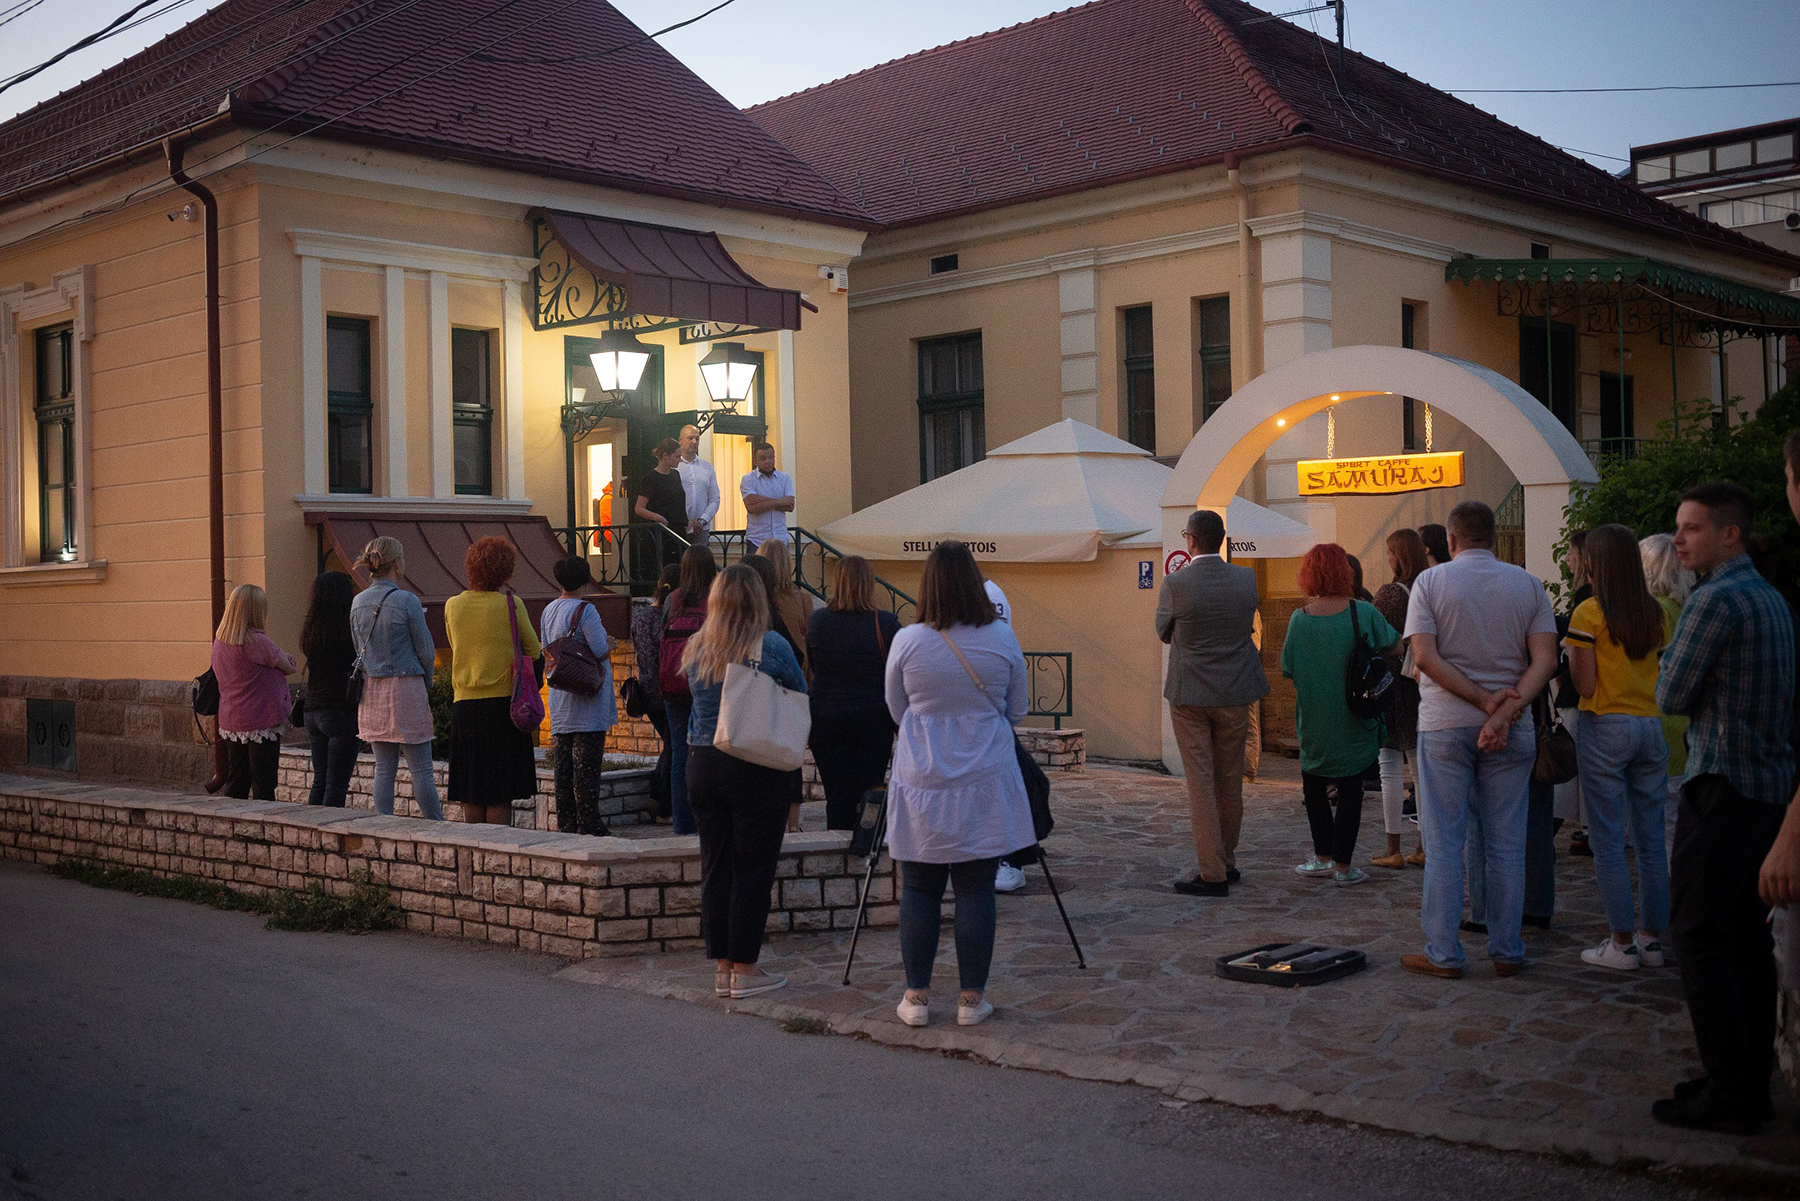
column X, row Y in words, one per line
column 1119, row 89
column 530, row 85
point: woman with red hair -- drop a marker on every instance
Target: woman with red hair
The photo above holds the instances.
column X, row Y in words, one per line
column 1337, row 748
column 491, row 760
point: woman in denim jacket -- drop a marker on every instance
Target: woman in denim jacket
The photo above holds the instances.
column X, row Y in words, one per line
column 394, row 647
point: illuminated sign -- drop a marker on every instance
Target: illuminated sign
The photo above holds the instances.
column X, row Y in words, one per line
column 1380, row 476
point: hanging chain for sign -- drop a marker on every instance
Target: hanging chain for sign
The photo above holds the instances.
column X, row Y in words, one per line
column 1428, row 429
column 1331, row 433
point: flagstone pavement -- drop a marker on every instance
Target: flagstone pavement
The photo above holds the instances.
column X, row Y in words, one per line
column 1563, row 1057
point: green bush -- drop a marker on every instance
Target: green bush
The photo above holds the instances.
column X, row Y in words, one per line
column 443, row 695
column 1644, row 491
column 367, row 908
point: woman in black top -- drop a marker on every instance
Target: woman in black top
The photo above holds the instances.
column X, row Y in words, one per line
column 330, row 718
column 852, row 731
column 662, row 501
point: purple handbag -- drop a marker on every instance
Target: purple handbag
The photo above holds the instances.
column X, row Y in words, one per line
column 527, row 705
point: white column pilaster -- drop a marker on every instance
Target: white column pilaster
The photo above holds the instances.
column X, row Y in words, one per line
column 790, row 451
column 1077, row 291
column 1296, row 321
column 12, row 497
column 443, row 446
column 393, row 389
column 512, row 334
column 312, row 375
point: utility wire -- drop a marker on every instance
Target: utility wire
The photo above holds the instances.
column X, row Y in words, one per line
column 83, row 44
column 582, row 56
column 1661, row 87
column 9, row 15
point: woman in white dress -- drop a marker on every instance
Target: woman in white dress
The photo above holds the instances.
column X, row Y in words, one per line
column 956, row 801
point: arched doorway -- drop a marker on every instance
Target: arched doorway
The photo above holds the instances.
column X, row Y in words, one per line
column 1542, row 454
column 1539, row 451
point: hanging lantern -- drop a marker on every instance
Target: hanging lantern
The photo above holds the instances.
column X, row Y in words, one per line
column 729, row 370
column 620, row 361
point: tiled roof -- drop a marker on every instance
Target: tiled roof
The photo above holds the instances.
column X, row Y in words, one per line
column 1119, row 89
column 566, row 88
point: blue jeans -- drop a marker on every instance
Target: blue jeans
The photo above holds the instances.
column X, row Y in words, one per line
column 1458, row 781
column 921, row 919
column 418, row 763
column 1540, row 858
column 1624, row 766
column 332, row 736
column 681, row 810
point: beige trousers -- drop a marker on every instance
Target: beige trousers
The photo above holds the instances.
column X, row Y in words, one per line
column 1211, row 741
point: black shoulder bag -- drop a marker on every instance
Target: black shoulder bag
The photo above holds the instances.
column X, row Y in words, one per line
column 1370, row 684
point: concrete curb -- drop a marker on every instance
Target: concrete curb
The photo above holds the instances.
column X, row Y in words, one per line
column 1008, row 1047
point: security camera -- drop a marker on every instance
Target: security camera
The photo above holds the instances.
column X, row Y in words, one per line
column 1792, row 220
column 186, row 212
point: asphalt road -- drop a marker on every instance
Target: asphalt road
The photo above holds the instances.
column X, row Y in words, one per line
column 153, row 1048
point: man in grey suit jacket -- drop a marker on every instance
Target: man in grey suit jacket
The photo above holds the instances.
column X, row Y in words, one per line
column 1206, row 612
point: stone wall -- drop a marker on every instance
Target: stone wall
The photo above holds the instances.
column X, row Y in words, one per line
column 124, row 729
column 562, row 894
column 624, row 795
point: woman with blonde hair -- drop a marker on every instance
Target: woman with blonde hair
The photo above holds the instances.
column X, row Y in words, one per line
column 739, row 807
column 393, row 644
column 1406, row 557
column 1671, row 584
column 852, row 731
column 792, row 606
column 491, row 760
column 253, row 694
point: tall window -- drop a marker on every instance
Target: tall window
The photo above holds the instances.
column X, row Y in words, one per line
column 952, row 428
column 1618, row 424
column 1140, row 380
column 472, row 410
column 55, row 412
column 1215, row 354
column 1409, row 430
column 350, row 407
column 1547, row 366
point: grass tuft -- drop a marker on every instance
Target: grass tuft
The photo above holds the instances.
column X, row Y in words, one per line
column 366, row 909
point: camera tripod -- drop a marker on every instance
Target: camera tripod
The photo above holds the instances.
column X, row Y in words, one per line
column 866, row 840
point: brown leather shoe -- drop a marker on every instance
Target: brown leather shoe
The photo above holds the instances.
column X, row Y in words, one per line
column 1423, row 966
column 1395, row 862
column 1417, row 858
column 1505, row 970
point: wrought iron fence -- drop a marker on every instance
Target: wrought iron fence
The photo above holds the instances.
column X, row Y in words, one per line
column 1621, row 449
column 628, row 557
column 1050, row 682
column 1509, row 528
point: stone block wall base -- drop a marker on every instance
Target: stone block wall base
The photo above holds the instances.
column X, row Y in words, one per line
column 124, row 729
column 570, row 895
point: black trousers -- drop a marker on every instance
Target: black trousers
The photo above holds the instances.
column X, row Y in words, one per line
column 1721, row 935
column 659, row 780
column 852, row 752
column 251, row 768
column 578, row 760
column 740, row 810
column 1333, row 834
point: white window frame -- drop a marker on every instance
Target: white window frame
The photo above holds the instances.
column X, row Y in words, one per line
column 68, row 297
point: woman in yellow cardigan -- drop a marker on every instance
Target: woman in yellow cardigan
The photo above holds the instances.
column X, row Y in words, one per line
column 491, row 761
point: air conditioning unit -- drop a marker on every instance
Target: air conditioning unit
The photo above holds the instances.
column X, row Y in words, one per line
column 1792, row 220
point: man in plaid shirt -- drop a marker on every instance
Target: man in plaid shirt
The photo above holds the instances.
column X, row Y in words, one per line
column 1730, row 670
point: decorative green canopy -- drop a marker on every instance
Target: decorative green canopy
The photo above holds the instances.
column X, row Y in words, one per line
column 1696, row 300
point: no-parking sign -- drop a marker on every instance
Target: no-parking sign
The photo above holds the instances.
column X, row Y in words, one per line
column 1176, row 560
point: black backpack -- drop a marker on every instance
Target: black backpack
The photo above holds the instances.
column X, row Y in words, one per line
column 1370, row 684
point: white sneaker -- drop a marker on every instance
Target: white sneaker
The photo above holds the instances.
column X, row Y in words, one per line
column 1649, row 949
column 914, row 1013
column 1009, row 878
column 1611, row 954
column 974, row 1015
column 1315, row 867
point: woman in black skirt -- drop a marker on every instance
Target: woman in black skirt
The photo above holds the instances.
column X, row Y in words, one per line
column 491, row 761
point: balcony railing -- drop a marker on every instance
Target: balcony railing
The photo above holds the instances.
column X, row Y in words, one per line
column 1600, row 450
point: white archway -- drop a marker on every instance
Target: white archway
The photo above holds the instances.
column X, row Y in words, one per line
column 1534, row 445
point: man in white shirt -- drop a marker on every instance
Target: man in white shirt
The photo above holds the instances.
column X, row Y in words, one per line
column 999, row 598
column 767, row 494
column 1484, row 638
column 700, row 483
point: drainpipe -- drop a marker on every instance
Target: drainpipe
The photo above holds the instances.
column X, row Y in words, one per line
column 1245, row 328
column 215, row 410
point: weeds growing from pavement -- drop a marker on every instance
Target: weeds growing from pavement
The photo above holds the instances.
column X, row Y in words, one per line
column 367, row 907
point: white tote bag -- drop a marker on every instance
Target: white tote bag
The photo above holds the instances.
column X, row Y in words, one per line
column 760, row 721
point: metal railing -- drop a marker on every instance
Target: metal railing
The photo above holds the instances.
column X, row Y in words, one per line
column 1050, row 682
column 1621, row 449
column 1509, row 528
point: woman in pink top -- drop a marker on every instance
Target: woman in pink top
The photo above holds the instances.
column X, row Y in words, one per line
column 253, row 694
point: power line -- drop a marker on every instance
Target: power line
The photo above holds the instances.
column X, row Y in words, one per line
column 13, row 13
column 85, row 42
column 527, row 60
column 1662, row 87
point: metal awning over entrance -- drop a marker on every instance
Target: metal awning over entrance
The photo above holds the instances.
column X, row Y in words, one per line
column 1634, row 296
column 604, row 269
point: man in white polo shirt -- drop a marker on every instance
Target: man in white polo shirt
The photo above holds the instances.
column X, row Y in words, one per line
column 700, row 483
column 768, row 494
column 1484, row 638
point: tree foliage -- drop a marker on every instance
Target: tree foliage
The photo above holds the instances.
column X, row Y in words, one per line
column 1644, row 491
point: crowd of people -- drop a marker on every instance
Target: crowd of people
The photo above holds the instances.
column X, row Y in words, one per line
column 1653, row 718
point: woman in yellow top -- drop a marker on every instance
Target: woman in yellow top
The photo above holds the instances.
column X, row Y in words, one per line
column 491, row 760
column 1615, row 639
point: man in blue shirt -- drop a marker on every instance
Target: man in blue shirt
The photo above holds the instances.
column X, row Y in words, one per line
column 1730, row 670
